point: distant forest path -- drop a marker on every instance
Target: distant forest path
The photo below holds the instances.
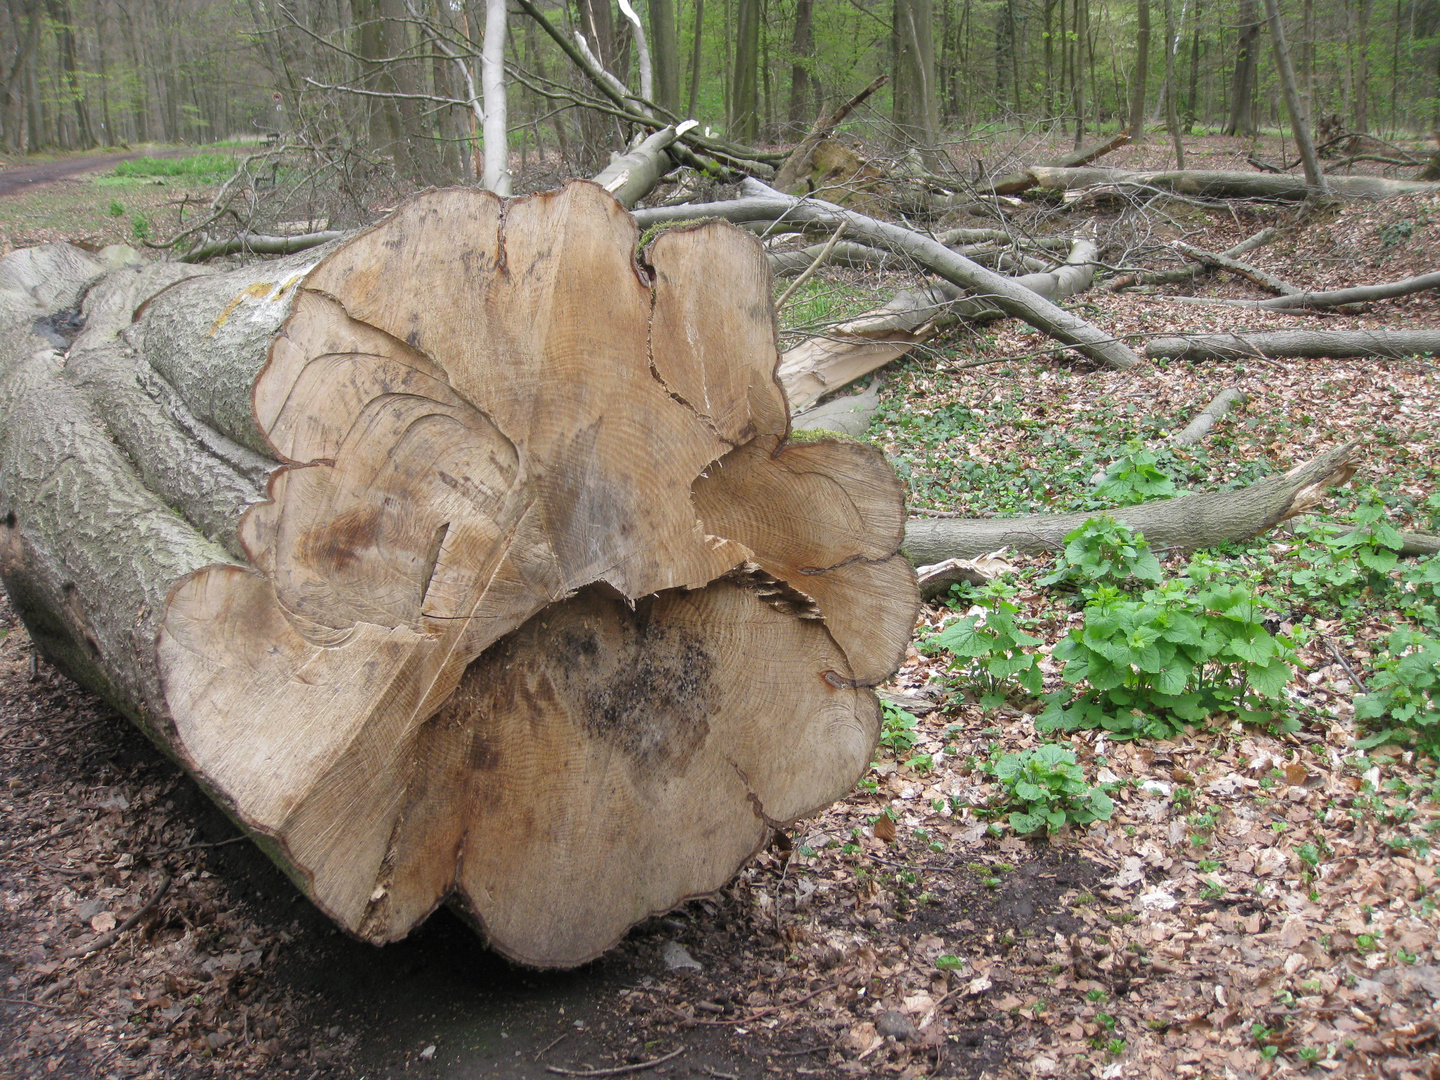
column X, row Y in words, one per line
column 19, row 179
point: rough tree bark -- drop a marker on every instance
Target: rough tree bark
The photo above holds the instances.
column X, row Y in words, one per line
column 1338, row 344
column 1226, row 185
column 464, row 560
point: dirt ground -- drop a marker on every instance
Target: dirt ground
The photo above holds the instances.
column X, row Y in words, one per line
column 1186, row 937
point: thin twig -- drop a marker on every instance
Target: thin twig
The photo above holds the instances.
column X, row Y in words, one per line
column 758, row 1013
column 1355, row 679
column 618, row 1070
column 31, row 1004
column 810, row 270
column 193, row 847
column 551, row 1045
column 104, row 941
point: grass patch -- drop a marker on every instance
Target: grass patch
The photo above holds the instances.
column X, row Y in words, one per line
column 201, row 168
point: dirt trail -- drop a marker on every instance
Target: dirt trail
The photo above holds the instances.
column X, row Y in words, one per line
column 23, row 178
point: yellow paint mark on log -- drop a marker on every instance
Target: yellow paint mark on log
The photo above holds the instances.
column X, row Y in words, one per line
column 258, row 291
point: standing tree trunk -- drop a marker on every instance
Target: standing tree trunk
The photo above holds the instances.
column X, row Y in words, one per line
column 1362, row 66
column 492, row 82
column 665, row 54
column 744, row 117
column 1172, row 112
column 802, row 81
column 697, row 55
column 915, row 106
column 533, row 610
column 1142, row 71
column 1299, row 122
column 1242, row 85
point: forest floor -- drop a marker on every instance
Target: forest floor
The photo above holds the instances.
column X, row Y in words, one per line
column 1260, row 903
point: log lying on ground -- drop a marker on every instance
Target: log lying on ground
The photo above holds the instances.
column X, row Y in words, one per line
column 1186, row 523
column 1024, row 179
column 853, row 349
column 1225, row 185
column 1360, row 294
column 1339, row 344
column 466, row 560
column 1205, row 419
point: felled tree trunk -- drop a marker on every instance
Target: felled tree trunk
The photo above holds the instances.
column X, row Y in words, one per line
column 1226, row 185
column 465, row 560
column 1338, row 344
column 1186, row 523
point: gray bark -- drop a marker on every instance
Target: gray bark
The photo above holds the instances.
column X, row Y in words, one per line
column 1226, row 185
column 1297, row 343
column 87, row 552
column 1185, row 523
column 1299, row 122
column 1199, row 427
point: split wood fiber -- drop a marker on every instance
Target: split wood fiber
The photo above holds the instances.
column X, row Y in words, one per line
column 464, row 560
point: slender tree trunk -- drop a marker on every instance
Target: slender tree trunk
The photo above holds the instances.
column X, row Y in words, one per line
column 802, row 50
column 697, row 55
column 1314, row 177
column 1191, row 112
column 1362, row 67
column 492, row 79
column 1048, row 104
column 1077, row 72
column 1242, row 85
column 744, row 113
column 1142, row 71
column 665, row 54
column 1172, row 113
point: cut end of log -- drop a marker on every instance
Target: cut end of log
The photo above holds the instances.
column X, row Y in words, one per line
column 544, row 617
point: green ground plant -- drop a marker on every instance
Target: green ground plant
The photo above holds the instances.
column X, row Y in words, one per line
column 1401, row 704
column 1178, row 653
column 196, row 167
column 987, row 650
column 1044, row 788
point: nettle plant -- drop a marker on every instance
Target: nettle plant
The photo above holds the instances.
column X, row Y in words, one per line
column 987, row 649
column 1184, row 650
column 1402, row 702
column 1046, row 788
column 1136, row 477
column 1104, row 551
column 1342, row 566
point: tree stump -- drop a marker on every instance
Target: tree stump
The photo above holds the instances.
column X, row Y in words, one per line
column 464, row 560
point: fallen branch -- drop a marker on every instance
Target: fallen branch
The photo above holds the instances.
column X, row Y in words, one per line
column 1191, row 271
column 618, row 1070
column 104, row 941
column 633, row 175
column 849, row 415
column 257, row 244
column 1222, row 261
column 1197, row 429
column 1307, row 344
column 1226, row 185
column 1361, row 294
column 1186, row 523
column 1024, row 179
column 859, row 346
column 1007, row 294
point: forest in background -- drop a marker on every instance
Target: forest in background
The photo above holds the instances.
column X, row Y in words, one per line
column 77, row 74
